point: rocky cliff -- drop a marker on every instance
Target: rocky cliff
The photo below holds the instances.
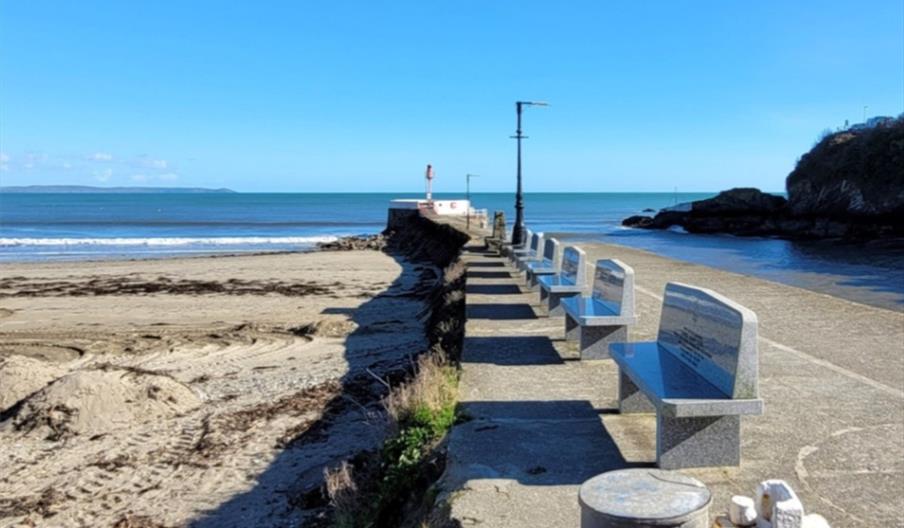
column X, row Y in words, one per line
column 850, row 185
column 852, row 174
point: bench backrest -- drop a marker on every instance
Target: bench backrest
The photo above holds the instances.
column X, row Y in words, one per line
column 573, row 259
column 713, row 335
column 613, row 285
column 551, row 252
column 536, row 244
column 528, row 235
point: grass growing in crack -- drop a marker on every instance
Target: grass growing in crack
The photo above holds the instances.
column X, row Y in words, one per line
column 420, row 413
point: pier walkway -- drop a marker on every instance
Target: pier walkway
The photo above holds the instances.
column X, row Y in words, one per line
column 542, row 421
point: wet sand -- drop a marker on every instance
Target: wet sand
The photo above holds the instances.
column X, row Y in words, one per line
column 190, row 391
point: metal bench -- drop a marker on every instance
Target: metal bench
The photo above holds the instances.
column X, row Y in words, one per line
column 602, row 318
column 547, row 264
column 568, row 282
column 699, row 377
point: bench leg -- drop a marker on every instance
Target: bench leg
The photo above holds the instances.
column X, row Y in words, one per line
column 544, row 296
column 698, row 442
column 630, row 398
column 572, row 330
column 595, row 340
column 554, row 303
column 533, row 281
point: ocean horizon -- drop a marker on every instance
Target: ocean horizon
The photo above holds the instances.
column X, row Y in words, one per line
column 103, row 226
column 73, row 226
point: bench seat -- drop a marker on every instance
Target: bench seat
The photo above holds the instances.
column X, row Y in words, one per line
column 673, row 388
column 558, row 284
column 592, row 311
column 541, row 267
column 526, row 260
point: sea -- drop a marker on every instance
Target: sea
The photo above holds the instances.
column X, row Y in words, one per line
column 87, row 226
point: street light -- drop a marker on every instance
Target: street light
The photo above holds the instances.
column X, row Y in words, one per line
column 468, row 196
column 518, row 229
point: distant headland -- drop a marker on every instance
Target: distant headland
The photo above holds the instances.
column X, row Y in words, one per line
column 109, row 190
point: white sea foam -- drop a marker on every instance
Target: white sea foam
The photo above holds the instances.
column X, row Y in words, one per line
column 167, row 241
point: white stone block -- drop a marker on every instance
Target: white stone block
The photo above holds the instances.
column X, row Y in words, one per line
column 814, row 520
column 777, row 503
column 742, row 511
column 788, row 514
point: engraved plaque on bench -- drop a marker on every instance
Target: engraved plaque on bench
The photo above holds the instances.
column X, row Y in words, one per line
column 711, row 335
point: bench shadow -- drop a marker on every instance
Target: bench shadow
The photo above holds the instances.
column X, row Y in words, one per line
column 493, row 289
column 483, row 274
column 511, row 351
column 497, row 311
column 537, row 443
column 485, row 265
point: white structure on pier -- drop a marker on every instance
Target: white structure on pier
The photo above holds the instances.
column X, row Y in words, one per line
column 427, row 206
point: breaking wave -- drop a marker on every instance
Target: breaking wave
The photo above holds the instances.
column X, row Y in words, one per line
column 165, row 241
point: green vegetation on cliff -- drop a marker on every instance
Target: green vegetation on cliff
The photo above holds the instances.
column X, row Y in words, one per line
column 852, row 173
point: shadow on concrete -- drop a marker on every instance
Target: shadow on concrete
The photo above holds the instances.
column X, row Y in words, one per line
column 511, row 350
column 481, row 274
column 338, row 311
column 501, row 311
column 537, row 443
column 493, row 289
column 486, row 264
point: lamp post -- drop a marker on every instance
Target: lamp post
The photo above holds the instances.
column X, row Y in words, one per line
column 468, row 196
column 518, row 230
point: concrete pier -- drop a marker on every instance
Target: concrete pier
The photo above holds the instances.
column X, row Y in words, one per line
column 543, row 421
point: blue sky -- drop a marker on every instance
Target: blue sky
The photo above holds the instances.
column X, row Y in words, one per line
column 359, row 96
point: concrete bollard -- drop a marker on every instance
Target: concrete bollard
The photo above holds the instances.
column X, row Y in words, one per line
column 644, row 497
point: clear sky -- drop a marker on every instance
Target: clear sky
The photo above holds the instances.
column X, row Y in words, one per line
column 359, row 96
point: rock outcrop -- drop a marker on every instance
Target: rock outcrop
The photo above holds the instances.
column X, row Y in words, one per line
column 742, row 211
column 355, row 243
column 857, row 174
column 850, row 185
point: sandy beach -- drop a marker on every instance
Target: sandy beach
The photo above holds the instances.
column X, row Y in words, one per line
column 191, row 391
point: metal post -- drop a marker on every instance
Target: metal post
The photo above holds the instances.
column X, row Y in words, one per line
column 517, row 235
column 518, row 229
